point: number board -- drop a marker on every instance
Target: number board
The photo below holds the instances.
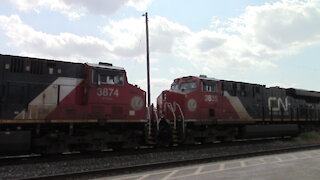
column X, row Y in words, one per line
column 107, row 92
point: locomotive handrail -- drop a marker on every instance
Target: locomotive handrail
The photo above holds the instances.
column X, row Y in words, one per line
column 149, row 120
column 182, row 116
column 157, row 119
column 174, row 115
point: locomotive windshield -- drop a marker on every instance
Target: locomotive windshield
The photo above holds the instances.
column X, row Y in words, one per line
column 187, row 86
column 108, row 76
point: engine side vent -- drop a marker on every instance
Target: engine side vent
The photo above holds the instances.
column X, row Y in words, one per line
column 36, row 67
column 17, row 65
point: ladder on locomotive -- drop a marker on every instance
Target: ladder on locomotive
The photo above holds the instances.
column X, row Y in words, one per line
column 153, row 128
column 175, row 132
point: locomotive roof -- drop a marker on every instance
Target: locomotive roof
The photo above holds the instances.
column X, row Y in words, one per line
column 62, row 61
column 199, row 77
column 40, row 59
column 105, row 66
column 214, row 79
column 209, row 79
column 303, row 92
column 243, row 82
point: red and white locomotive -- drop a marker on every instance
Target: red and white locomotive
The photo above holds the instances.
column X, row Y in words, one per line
column 54, row 106
column 201, row 109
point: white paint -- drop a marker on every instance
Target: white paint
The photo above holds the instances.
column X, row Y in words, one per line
column 169, row 175
column 210, row 98
column 132, row 113
column 279, row 103
column 107, row 92
column 143, row 177
column 198, row 171
column 237, row 106
column 46, row 101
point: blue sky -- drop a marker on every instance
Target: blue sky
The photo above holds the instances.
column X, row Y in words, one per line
column 276, row 43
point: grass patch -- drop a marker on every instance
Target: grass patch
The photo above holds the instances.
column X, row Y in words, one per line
column 312, row 136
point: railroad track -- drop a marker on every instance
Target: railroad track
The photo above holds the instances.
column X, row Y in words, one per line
column 188, row 156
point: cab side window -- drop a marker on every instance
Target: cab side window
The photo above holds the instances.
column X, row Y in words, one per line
column 111, row 79
column 107, row 76
column 209, row 86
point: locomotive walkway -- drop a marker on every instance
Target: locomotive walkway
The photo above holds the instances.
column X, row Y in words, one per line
column 293, row 166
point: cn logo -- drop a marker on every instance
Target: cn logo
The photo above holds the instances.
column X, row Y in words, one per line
column 276, row 103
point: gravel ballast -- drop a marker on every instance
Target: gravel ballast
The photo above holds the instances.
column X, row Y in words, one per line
column 113, row 160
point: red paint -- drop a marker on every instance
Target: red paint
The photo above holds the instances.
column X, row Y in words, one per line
column 204, row 100
column 92, row 101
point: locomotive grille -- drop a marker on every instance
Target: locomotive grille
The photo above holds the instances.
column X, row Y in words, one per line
column 17, row 65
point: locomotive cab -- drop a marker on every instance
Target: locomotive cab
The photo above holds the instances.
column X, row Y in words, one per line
column 191, row 103
column 201, row 99
column 104, row 95
column 108, row 76
column 199, row 109
column 110, row 95
column 196, row 96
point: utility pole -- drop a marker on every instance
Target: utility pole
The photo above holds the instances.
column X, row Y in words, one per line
column 148, row 63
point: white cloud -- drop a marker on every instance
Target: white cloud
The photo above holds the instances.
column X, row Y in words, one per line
column 76, row 8
column 25, row 5
column 128, row 36
column 140, row 5
column 261, row 35
column 256, row 39
column 282, row 26
column 54, row 5
column 127, row 40
column 64, row 45
column 99, row 7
